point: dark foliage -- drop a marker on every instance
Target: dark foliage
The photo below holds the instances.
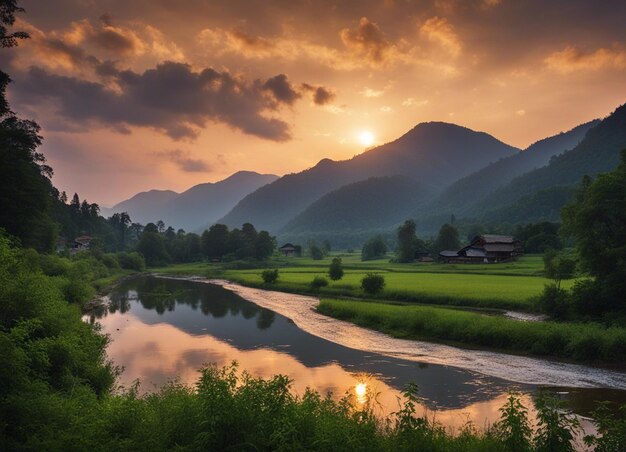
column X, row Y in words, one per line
column 372, row 283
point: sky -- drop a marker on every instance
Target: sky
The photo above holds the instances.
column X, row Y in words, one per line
column 133, row 95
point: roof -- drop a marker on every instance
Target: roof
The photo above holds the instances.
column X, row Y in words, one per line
column 475, row 252
column 83, row 238
column 449, row 253
column 287, row 246
column 492, row 238
column 499, row 247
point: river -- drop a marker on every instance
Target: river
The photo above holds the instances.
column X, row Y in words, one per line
column 164, row 328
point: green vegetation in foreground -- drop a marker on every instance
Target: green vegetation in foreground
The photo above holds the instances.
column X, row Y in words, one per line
column 57, row 392
column 577, row 341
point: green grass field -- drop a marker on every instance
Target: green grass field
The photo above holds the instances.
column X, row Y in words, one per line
column 575, row 341
column 500, row 286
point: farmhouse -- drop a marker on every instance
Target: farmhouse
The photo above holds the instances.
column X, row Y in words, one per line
column 287, row 250
column 485, row 248
column 81, row 243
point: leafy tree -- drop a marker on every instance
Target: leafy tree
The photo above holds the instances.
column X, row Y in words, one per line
column 151, row 227
column 249, row 236
column 597, row 221
column 558, row 267
column 447, row 239
column 407, row 241
column 160, row 226
column 270, row 276
column 374, row 248
column 215, row 241
column 265, row 245
column 335, row 271
column 373, row 283
column 152, row 248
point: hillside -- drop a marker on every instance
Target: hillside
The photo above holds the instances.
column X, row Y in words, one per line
column 598, row 152
column 195, row 208
column 484, row 181
column 370, row 204
column 434, row 153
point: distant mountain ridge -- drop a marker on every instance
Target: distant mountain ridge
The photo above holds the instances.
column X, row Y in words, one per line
column 598, row 152
column 195, row 208
column 464, row 192
column 433, row 153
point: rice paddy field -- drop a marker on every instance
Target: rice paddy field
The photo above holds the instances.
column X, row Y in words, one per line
column 454, row 304
column 501, row 286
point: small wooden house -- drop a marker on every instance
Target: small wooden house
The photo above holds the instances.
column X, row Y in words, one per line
column 486, row 248
column 287, row 250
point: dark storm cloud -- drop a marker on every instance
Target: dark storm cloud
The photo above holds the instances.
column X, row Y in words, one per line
column 281, row 89
column 171, row 98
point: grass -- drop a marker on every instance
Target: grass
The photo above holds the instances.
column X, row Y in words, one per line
column 497, row 286
column 577, row 341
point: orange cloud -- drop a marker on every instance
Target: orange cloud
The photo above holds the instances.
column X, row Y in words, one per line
column 367, row 40
column 573, row 59
column 440, row 31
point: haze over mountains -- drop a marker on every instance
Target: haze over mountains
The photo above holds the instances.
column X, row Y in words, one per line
column 196, row 208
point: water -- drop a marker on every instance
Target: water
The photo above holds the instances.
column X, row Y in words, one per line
column 163, row 329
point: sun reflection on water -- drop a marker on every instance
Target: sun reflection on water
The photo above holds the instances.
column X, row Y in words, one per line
column 361, row 393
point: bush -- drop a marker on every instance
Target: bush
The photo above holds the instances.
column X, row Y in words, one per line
column 110, row 261
column 554, row 302
column 372, row 283
column 335, row 272
column 131, row 261
column 319, row 282
column 270, row 276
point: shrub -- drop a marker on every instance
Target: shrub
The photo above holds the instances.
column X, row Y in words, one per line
column 319, row 282
column 131, row 261
column 335, row 272
column 110, row 261
column 270, row 276
column 372, row 283
column 554, row 301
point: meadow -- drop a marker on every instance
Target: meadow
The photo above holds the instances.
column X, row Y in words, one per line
column 509, row 286
column 575, row 341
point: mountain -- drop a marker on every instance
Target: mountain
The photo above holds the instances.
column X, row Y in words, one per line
column 598, row 152
column 195, row 208
column 374, row 203
column 433, row 153
column 484, row 181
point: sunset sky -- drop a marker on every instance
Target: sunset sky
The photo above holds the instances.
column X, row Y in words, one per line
column 141, row 94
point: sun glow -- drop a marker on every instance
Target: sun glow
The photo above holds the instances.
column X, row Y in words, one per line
column 361, row 392
column 366, row 138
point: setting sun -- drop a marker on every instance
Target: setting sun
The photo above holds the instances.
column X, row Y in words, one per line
column 366, row 138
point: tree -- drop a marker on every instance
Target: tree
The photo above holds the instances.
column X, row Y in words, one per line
column 249, row 236
column 372, row 283
column 596, row 219
column 265, row 245
column 558, row 267
column 160, row 226
column 152, row 248
column 215, row 241
column 335, row 271
column 447, row 239
column 407, row 241
column 374, row 248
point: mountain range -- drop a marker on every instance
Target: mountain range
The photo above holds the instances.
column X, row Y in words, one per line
column 434, row 171
column 196, row 208
column 433, row 153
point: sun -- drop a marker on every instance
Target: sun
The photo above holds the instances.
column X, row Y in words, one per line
column 366, row 138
